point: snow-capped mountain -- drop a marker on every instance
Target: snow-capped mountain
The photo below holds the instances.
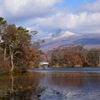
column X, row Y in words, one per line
column 64, row 35
column 67, row 38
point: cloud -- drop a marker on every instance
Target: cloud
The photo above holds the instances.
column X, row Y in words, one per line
column 23, row 9
column 78, row 23
column 87, row 20
column 44, row 16
column 90, row 7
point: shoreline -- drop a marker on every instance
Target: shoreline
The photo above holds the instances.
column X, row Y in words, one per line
column 83, row 70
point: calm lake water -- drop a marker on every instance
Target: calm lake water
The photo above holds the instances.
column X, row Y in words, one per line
column 52, row 84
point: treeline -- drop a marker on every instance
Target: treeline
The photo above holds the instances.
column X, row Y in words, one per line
column 16, row 50
column 74, row 56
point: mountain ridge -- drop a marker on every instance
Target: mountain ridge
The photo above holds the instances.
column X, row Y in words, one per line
column 67, row 38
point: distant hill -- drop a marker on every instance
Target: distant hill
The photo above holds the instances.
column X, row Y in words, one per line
column 65, row 39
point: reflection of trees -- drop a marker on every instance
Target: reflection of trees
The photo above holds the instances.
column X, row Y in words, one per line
column 17, row 87
column 68, row 79
column 94, row 78
column 25, row 87
column 74, row 80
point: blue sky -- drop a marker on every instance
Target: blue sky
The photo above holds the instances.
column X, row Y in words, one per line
column 47, row 16
column 73, row 5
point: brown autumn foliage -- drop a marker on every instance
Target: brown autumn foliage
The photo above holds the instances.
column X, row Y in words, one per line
column 33, row 58
column 74, row 56
column 16, row 50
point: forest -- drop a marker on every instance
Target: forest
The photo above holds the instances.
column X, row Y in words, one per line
column 74, row 56
column 19, row 52
column 16, row 50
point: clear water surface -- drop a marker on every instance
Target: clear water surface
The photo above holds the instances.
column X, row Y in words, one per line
column 52, row 84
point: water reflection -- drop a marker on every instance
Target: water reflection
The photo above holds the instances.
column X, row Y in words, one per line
column 73, row 86
column 30, row 86
column 18, row 87
column 65, row 80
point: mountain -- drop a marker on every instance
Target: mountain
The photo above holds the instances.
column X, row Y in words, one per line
column 64, row 39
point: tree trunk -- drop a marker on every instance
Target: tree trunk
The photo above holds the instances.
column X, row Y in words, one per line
column 11, row 60
column 12, row 63
column 4, row 55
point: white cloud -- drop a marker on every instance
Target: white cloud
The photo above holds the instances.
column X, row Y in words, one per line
column 86, row 21
column 80, row 23
column 90, row 7
column 25, row 8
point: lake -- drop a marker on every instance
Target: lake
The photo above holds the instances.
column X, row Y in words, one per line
column 52, row 84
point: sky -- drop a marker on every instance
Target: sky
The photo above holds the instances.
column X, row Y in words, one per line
column 48, row 16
